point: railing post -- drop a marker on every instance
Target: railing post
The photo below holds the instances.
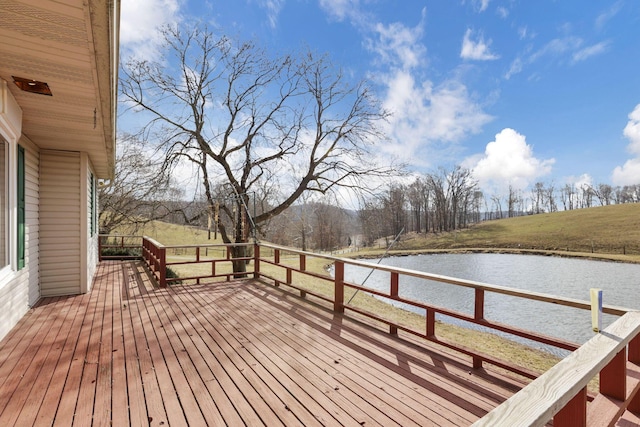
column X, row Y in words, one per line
column 276, row 256
column 338, row 300
column 393, row 329
column 256, row 261
column 633, row 354
column 574, row 414
column 478, row 314
column 479, row 304
column 162, row 255
column 634, row 350
column 431, row 323
column 303, row 262
column 613, row 377
column 99, row 248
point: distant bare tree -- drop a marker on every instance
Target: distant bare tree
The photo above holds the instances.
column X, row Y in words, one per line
column 538, row 198
column 239, row 114
column 139, row 192
column 604, row 193
column 513, row 201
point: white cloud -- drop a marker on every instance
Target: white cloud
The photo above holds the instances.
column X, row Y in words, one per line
column 607, row 15
column 514, row 68
column 340, row 9
column 508, row 160
column 424, row 115
column 564, row 51
column 590, row 51
column 502, row 12
column 273, row 8
column 629, row 173
column 398, row 44
column 557, row 47
column 139, row 22
column 481, row 5
column 476, row 50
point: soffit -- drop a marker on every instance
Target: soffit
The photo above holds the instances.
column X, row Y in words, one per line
column 72, row 46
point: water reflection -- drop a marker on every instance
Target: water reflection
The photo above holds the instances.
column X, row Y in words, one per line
column 566, row 277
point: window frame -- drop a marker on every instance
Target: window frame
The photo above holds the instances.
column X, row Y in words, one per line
column 21, row 230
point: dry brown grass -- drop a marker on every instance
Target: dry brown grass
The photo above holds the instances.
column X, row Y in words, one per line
column 607, row 232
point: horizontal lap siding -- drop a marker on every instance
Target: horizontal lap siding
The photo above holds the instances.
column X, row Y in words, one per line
column 60, row 223
column 32, row 218
column 22, row 292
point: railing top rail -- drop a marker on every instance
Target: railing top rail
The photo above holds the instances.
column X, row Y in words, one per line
column 154, row 242
column 539, row 401
column 537, row 296
column 120, row 235
column 207, row 245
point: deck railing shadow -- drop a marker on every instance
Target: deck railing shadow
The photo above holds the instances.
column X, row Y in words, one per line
column 560, row 394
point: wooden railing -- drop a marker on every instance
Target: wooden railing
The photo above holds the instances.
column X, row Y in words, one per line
column 559, row 394
column 119, row 247
column 158, row 259
column 480, row 289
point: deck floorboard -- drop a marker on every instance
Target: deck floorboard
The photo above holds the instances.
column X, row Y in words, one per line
column 229, row 353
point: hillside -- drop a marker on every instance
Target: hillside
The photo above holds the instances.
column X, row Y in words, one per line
column 605, row 232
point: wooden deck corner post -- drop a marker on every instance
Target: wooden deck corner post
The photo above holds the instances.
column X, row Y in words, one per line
column 395, row 282
column 256, row 261
column 613, row 377
column 574, row 414
column 162, row 255
column 338, row 300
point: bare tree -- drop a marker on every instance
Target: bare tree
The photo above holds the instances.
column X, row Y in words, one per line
column 239, row 115
column 538, row 198
column 139, row 192
column 513, row 201
column 605, row 194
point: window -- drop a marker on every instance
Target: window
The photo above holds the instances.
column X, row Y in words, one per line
column 92, row 201
column 21, row 208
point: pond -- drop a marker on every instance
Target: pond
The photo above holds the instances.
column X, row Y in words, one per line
column 565, row 277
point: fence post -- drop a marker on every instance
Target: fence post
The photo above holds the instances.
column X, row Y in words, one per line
column 338, row 300
column 256, row 261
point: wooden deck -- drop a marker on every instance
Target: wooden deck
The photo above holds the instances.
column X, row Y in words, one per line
column 234, row 353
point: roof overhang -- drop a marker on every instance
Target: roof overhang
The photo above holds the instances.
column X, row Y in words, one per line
column 72, row 48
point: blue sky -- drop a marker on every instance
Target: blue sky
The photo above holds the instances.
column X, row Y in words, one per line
column 517, row 91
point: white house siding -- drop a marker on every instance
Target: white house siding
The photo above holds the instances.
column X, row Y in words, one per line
column 22, row 290
column 32, row 219
column 60, row 220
